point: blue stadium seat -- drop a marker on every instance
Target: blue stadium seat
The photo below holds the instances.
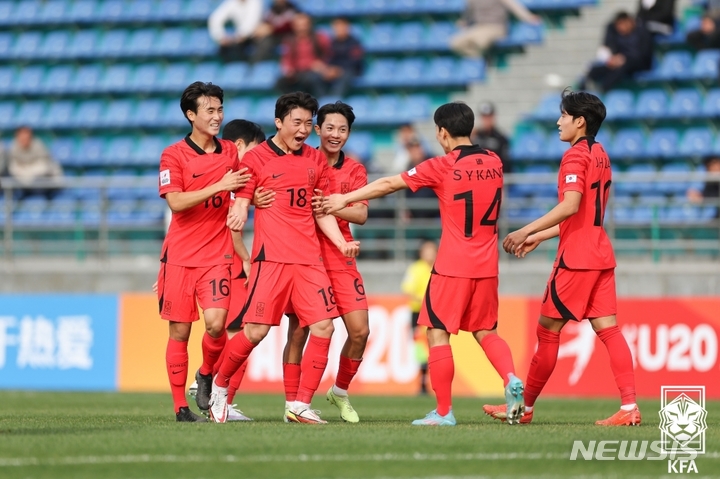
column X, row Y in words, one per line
column 112, row 43
column 148, row 113
column 381, row 37
column 263, row 75
column 410, row 72
column 439, row 34
column 175, row 77
column 90, row 209
column 619, row 104
column 6, row 9
column 30, row 211
column 444, row 6
column 120, row 212
column 555, row 149
column 30, row 113
column 360, row 146
column 385, row 109
column 528, row 146
column 705, row 66
column 63, row 150
column 172, row 116
column 521, row 34
column 651, row 104
column 410, row 36
column 168, row 10
column 56, row 44
column 195, row 10
column 711, row 105
column 628, row 143
column 57, row 79
column 542, row 189
column 88, row 114
column 697, row 141
column 84, row 44
column 142, row 42
column 471, row 70
column 82, row 11
column 150, row 211
column 27, row 11
column 90, row 151
column 170, row 41
column 145, row 78
column 361, row 107
column 548, row 108
column 148, row 150
column 263, row 111
column 118, row 113
column 685, row 103
column 236, row 108
column 59, row 114
column 61, row 212
column 120, row 150
column 209, row 72
column 111, row 11
column 674, row 65
column 87, row 78
column 233, row 76
column 379, row 72
column 7, row 114
column 662, row 143
column 139, row 10
column 116, row 78
column 415, row 106
column 634, row 186
column 53, row 11
column 199, row 43
column 6, row 41
column 667, row 172
column 27, row 45
column 29, row 79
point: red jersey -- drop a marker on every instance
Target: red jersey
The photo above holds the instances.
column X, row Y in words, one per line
column 285, row 233
column 347, row 175
column 198, row 236
column 468, row 182
column 584, row 244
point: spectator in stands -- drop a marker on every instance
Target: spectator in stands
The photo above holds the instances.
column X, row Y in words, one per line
column 707, row 36
column 346, row 59
column 711, row 189
column 417, row 153
column 245, row 16
column 489, row 137
column 304, row 61
column 486, row 21
column 713, row 8
column 627, row 49
column 276, row 23
column 29, row 161
column 406, row 135
column 657, row 16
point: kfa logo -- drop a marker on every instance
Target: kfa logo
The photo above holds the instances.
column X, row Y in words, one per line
column 311, row 176
column 683, row 422
column 344, row 188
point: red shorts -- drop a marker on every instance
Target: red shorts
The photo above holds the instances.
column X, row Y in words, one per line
column 181, row 288
column 460, row 304
column 238, row 296
column 579, row 294
column 348, row 292
column 275, row 285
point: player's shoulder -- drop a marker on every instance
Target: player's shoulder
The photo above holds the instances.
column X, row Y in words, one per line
column 227, row 147
column 261, row 153
column 175, row 149
column 353, row 166
column 578, row 151
column 308, row 151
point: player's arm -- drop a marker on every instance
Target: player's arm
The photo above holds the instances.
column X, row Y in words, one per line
column 183, row 200
column 241, row 251
column 237, row 217
column 356, row 213
column 564, row 210
column 378, row 188
column 328, row 225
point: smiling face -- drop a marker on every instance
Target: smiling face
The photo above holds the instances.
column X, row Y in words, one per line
column 571, row 129
column 333, row 133
column 294, row 129
column 209, row 116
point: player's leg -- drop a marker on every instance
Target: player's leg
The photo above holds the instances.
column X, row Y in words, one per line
column 352, row 306
column 421, row 350
column 213, row 291
column 292, row 356
column 442, row 371
column 602, row 309
column 180, row 310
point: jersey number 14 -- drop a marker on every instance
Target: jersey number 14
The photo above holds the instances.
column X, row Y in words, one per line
column 490, row 217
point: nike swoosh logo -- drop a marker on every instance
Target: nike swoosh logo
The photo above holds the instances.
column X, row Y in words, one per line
column 329, row 309
column 176, row 372
column 217, row 299
column 197, row 176
column 277, row 176
column 360, row 298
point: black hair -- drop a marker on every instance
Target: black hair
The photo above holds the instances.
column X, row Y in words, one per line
column 189, row 98
column 338, row 107
column 299, row 99
column 622, row 15
column 244, row 130
column 586, row 105
column 456, row 117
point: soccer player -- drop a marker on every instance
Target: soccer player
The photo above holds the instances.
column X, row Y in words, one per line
column 197, row 175
column 463, row 289
column 334, row 123
column 286, row 255
column 582, row 283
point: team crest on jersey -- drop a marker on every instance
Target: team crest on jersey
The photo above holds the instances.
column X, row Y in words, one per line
column 311, row 176
column 344, row 188
column 260, row 309
column 167, row 307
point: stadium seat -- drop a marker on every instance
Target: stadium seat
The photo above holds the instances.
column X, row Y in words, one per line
column 528, row 146
column 27, row 12
column 361, row 107
column 27, row 45
column 55, row 44
column 172, row 116
column 554, row 148
column 705, row 66
column 118, row 113
column 82, row 11
column 675, row 65
column 145, row 78
column 112, row 43
column 7, row 114
column 63, row 150
column 380, row 72
column 711, row 104
column 59, row 114
column 90, row 151
column 638, row 185
column 87, row 78
column 150, row 211
column 410, row 72
column 385, row 109
column 685, row 103
column 29, row 212
column 175, row 77
column 120, row 150
column 195, row 10
column 29, row 79
column 360, row 146
column 410, row 36
column 198, row 42
column 120, row 212
column 30, row 113
column 263, row 76
column 57, row 79
column 111, row 11
column 263, row 111
column 170, row 42
column 619, row 104
column 209, row 72
column 439, row 34
column 662, row 143
column 141, row 42
column 6, row 9
column 381, row 37
column 537, row 188
column 88, row 113
column 168, row 10
column 237, row 108
column 83, row 44
column 116, row 78
column 521, row 34
column 471, row 70
column 697, row 142
column 139, row 10
column 444, row 6
column 667, row 172
column 232, row 76
column 53, row 11
column 148, row 150
column 415, row 106
column 6, row 41
column 651, row 104
column 90, row 210
column 548, row 108
column 628, row 143
column 148, row 113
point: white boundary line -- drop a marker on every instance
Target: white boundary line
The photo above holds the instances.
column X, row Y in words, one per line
column 169, row 458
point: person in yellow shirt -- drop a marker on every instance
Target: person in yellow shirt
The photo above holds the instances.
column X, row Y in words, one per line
column 414, row 284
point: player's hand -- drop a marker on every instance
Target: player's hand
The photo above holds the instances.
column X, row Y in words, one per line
column 155, row 287
column 527, row 246
column 235, row 222
column 263, row 199
column 246, row 268
column 513, row 240
column 233, row 180
column 317, row 202
column 334, row 203
column 350, row 249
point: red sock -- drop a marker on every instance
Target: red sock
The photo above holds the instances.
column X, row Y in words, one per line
column 216, row 366
column 347, row 371
column 499, row 355
column 542, row 364
column 176, row 360
column 314, row 362
column 291, row 380
column 212, row 348
column 620, row 362
column 239, row 348
column 442, row 372
column 235, row 381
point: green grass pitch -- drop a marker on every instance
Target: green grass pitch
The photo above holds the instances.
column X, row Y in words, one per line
column 78, row 435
